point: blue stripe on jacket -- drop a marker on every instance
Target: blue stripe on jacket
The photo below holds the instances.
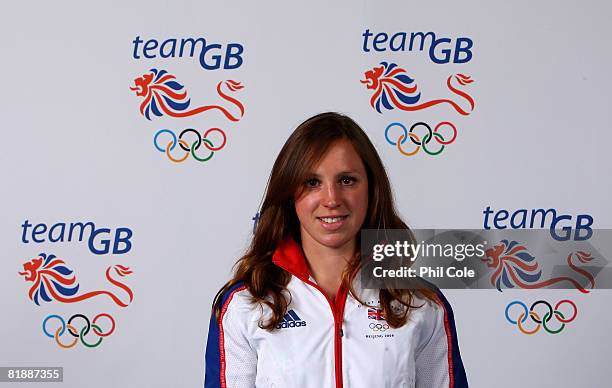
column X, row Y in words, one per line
column 212, row 377
column 459, row 376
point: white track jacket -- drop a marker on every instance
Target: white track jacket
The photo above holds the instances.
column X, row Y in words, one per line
column 324, row 343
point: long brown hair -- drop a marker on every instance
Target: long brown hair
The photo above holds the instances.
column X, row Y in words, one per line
column 266, row 282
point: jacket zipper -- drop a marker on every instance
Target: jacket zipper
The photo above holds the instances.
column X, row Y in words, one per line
column 338, row 313
column 337, row 309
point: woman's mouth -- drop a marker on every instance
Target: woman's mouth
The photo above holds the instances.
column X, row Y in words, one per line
column 332, row 223
column 332, row 220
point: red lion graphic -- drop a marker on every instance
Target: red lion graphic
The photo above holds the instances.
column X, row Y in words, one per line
column 53, row 280
column 163, row 95
column 393, row 88
column 513, row 266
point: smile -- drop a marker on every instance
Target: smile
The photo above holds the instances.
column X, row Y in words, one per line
column 332, row 220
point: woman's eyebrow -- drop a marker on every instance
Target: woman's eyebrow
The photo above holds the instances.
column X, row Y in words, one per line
column 347, row 172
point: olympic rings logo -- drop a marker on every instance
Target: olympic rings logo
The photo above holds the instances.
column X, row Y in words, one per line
column 86, row 327
column 197, row 142
column 379, row 326
column 416, row 140
column 542, row 321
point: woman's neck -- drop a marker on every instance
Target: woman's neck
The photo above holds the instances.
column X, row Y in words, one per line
column 327, row 264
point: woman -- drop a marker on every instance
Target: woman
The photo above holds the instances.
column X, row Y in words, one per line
column 294, row 315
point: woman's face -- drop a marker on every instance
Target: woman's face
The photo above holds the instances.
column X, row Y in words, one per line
column 333, row 205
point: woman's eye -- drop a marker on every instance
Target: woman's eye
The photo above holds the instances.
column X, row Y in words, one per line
column 312, row 182
column 347, row 180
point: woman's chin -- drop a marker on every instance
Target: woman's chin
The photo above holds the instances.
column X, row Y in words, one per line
column 336, row 241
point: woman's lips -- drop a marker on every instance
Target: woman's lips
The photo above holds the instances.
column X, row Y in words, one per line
column 332, row 223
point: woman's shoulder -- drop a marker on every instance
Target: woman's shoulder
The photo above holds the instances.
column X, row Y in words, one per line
column 427, row 309
column 435, row 318
column 433, row 303
column 236, row 299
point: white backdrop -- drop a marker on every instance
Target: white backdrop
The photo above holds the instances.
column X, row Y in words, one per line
column 77, row 149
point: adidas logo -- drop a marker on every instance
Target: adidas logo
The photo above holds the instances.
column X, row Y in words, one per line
column 291, row 319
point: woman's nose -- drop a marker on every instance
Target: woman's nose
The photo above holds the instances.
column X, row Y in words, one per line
column 331, row 199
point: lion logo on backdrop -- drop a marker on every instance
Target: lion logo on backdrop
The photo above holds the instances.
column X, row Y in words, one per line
column 53, row 281
column 393, row 88
column 514, row 267
column 163, row 95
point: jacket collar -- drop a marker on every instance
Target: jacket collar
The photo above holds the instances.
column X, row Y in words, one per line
column 289, row 256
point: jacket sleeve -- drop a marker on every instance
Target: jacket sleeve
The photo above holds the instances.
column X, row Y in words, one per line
column 230, row 360
column 438, row 361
